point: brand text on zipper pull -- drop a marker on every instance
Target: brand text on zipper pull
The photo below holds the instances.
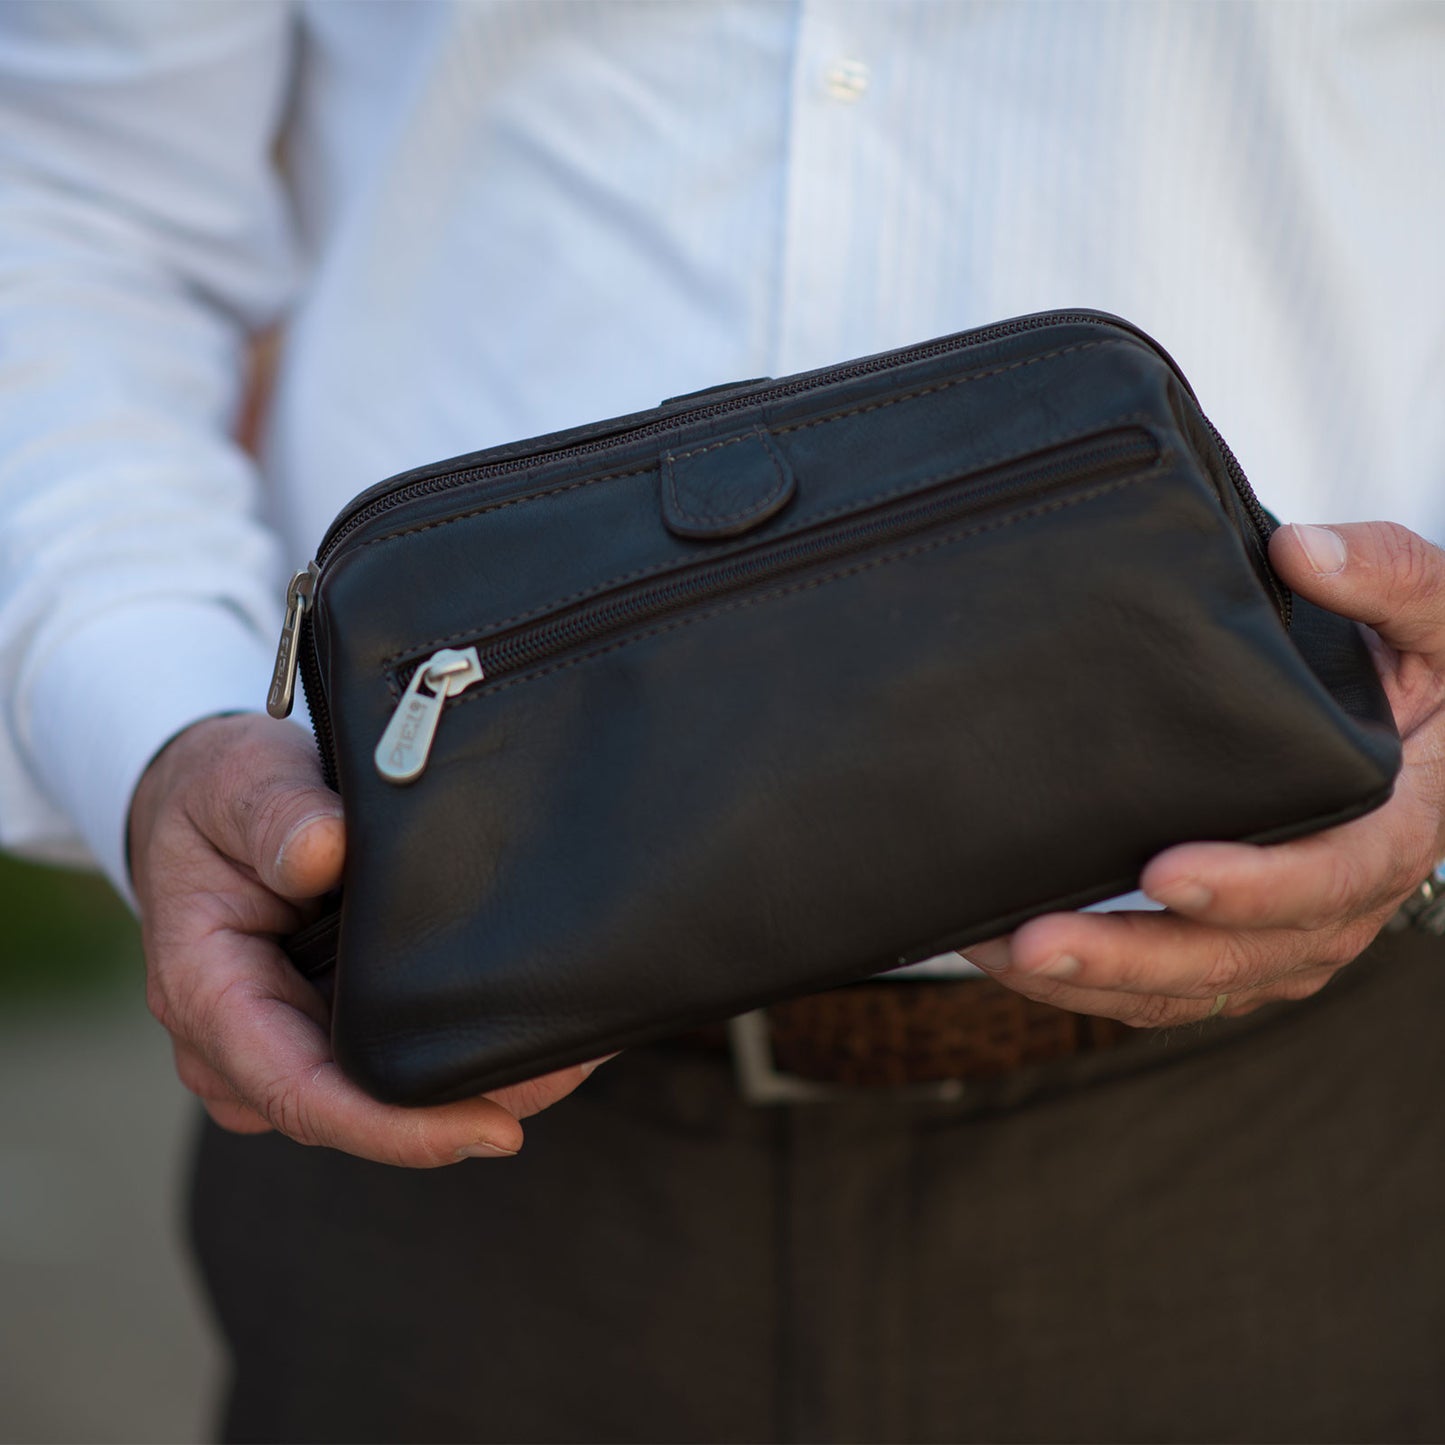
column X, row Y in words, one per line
column 401, row 755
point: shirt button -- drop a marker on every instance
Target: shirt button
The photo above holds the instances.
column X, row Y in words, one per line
column 846, row 80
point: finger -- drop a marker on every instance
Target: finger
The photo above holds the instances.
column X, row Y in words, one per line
column 197, row 1075
column 1161, row 1011
column 1139, row 1010
column 990, row 955
column 525, row 1099
column 1317, row 882
column 267, row 807
column 1378, row 573
column 278, row 1062
column 1158, row 953
column 308, row 861
column 235, row 1118
column 214, row 1092
column 285, row 984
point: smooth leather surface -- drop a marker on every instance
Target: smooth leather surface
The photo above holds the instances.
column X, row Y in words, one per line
column 855, row 764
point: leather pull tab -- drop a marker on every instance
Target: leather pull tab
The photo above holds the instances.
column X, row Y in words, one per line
column 726, row 487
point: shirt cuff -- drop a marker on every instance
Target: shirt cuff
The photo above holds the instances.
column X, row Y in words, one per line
column 107, row 698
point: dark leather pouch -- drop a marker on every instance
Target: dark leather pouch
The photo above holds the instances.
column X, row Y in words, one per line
column 772, row 688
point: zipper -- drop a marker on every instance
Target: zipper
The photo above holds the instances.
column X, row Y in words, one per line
column 401, row 755
column 282, row 695
column 296, row 643
column 387, row 496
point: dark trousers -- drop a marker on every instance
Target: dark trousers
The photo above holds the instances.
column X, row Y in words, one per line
column 1234, row 1232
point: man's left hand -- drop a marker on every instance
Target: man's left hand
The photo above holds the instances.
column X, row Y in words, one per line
column 1257, row 924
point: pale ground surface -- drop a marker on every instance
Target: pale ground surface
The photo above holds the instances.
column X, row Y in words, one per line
column 102, row 1333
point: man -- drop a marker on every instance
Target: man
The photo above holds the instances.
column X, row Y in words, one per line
column 491, row 222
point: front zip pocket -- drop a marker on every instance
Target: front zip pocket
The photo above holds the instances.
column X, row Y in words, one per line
column 402, row 753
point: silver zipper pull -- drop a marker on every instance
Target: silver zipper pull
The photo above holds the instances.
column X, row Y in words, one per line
column 283, row 676
column 406, row 744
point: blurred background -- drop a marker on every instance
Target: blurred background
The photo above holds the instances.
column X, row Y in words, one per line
column 103, row 1334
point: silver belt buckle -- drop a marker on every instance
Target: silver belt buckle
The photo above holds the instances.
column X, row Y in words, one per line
column 760, row 1080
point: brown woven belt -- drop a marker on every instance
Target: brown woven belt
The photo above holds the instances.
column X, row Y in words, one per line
column 907, row 1034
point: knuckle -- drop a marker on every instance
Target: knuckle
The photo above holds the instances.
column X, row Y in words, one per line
column 283, row 1105
column 273, row 811
column 1352, row 941
column 214, row 1011
column 1416, row 567
column 1125, row 972
column 211, row 787
column 425, row 1150
column 417, row 1139
column 1341, row 884
column 242, row 787
column 1236, row 966
column 1127, row 958
column 1155, row 1011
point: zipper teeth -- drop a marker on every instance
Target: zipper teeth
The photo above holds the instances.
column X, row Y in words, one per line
column 317, row 704
column 344, row 527
column 1263, row 523
column 535, row 644
column 885, row 362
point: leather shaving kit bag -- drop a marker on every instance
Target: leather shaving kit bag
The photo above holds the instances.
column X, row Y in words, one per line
column 652, row 722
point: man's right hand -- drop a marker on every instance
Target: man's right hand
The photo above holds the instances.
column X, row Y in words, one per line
column 231, row 832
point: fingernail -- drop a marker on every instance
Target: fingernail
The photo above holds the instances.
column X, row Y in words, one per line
column 592, row 1064
column 1185, row 895
column 1063, row 966
column 297, row 829
column 991, row 960
column 482, row 1150
column 1324, row 548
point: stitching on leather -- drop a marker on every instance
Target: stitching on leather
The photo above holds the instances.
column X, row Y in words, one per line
column 716, row 446
column 727, row 516
column 799, row 426
column 956, row 381
column 995, row 459
column 476, row 695
column 508, row 502
column 761, row 504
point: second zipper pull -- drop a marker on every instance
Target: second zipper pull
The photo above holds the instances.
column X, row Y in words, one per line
column 402, row 753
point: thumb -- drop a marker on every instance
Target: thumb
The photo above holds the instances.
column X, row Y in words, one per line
column 308, row 861
column 265, row 806
column 1378, row 573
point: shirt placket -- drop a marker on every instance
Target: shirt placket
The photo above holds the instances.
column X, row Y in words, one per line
column 825, row 289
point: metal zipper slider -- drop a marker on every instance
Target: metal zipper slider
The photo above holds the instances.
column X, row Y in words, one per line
column 406, row 744
column 283, row 676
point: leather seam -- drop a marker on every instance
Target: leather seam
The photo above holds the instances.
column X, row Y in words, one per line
column 797, row 426
column 1043, row 509
column 873, row 499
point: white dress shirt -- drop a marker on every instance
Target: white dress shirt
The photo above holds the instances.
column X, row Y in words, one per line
column 481, row 222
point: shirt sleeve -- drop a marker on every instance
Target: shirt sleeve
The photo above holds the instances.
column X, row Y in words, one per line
column 144, row 236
